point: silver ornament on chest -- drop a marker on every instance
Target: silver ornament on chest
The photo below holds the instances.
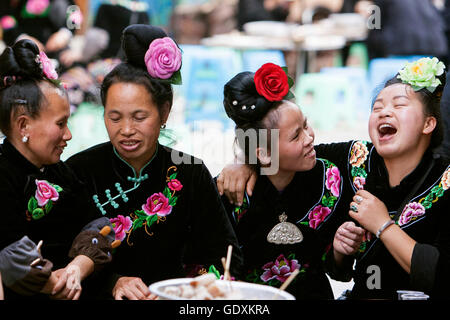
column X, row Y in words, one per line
column 285, row 232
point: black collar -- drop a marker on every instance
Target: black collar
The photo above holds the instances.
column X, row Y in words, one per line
column 17, row 159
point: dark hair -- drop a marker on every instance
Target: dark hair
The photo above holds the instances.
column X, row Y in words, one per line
column 432, row 107
column 20, row 74
column 248, row 109
column 135, row 42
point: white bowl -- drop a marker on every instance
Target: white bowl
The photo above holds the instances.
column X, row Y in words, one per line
column 250, row 291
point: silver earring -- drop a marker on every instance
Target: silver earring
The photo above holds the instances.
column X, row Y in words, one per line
column 24, row 139
column 163, row 126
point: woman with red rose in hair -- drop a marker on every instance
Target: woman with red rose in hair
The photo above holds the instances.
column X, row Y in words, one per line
column 167, row 213
column 283, row 225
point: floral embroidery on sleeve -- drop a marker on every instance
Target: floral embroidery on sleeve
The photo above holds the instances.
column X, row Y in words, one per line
column 42, row 202
column 331, row 193
column 157, row 207
column 415, row 209
column 357, row 160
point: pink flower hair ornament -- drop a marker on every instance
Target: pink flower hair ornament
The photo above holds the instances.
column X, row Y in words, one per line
column 46, row 66
column 163, row 60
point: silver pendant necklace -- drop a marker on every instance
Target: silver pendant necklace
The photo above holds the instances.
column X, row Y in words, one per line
column 285, row 232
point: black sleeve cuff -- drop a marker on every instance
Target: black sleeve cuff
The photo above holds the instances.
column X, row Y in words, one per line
column 423, row 266
column 93, row 245
column 342, row 273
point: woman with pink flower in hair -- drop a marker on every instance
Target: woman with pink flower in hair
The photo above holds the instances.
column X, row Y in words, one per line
column 289, row 219
column 40, row 195
column 398, row 216
column 163, row 204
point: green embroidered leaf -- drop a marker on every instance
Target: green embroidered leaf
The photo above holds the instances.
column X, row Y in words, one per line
column 291, row 256
column 438, row 191
column 359, row 172
column 141, row 217
column 137, row 223
column 328, row 201
column 167, row 192
column 362, row 247
column 212, row 269
column 32, row 204
column 140, row 214
column 151, row 219
column 48, row 206
column 173, row 176
column 427, row 204
column 37, row 213
column 57, row 188
column 306, row 223
column 173, row 201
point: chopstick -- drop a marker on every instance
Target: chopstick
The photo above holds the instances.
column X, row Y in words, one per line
column 226, row 273
column 37, row 260
column 287, row 282
column 289, row 279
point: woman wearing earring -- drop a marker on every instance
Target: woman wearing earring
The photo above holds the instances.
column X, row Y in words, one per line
column 284, row 224
column 400, row 185
column 163, row 204
column 39, row 193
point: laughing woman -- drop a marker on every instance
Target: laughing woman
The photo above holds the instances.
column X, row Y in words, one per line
column 400, row 185
column 164, row 205
column 404, row 203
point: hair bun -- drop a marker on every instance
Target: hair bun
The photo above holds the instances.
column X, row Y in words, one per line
column 20, row 60
column 136, row 39
column 242, row 102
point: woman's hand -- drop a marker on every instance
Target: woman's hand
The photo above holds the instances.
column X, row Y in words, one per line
column 369, row 211
column 348, row 238
column 51, row 282
column 234, row 180
column 68, row 285
column 131, row 288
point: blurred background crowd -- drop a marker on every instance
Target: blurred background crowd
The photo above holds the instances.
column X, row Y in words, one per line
column 338, row 51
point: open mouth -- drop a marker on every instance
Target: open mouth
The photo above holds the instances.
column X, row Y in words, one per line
column 129, row 145
column 386, row 131
column 311, row 153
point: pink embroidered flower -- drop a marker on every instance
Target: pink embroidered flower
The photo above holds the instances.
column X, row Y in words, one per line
column 358, row 154
column 7, row 22
column 37, row 7
column 163, row 58
column 175, row 185
column 121, row 225
column 359, row 182
column 318, row 215
column 157, row 204
column 412, row 211
column 281, row 269
column 445, row 181
column 45, row 192
column 47, row 66
column 333, row 182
